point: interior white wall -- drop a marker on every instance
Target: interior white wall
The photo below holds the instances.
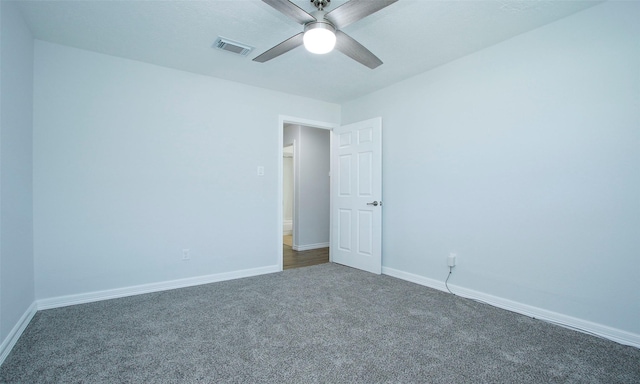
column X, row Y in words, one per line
column 134, row 162
column 312, row 182
column 314, row 186
column 16, row 218
column 287, row 187
column 524, row 158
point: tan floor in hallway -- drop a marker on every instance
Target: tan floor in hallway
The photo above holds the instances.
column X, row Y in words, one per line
column 297, row 259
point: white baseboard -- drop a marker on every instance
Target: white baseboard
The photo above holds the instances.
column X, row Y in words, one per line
column 63, row 301
column 614, row 334
column 309, row 247
column 16, row 332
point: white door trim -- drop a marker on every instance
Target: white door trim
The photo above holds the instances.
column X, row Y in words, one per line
column 282, row 119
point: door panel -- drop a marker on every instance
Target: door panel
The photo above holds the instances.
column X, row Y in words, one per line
column 345, row 176
column 356, row 237
column 344, row 230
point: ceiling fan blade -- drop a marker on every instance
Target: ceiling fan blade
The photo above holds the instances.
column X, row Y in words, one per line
column 354, row 10
column 347, row 45
column 284, row 47
column 293, row 11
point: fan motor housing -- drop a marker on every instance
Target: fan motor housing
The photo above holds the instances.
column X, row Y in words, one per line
column 321, row 23
column 320, row 4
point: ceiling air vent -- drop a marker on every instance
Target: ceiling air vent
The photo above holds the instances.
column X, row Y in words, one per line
column 232, row 46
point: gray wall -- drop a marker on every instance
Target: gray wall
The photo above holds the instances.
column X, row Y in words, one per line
column 524, row 158
column 312, row 165
column 135, row 162
column 16, row 217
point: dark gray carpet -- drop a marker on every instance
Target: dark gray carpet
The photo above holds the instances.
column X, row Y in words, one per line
column 326, row 323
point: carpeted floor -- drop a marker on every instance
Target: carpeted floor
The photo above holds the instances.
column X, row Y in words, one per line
column 324, row 324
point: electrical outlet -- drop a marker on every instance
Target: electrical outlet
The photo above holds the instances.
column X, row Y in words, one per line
column 451, row 260
column 185, row 255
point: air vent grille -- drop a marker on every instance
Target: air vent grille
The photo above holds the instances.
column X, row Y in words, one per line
column 232, row 46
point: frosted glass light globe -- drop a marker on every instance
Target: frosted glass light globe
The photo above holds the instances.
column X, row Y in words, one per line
column 319, row 40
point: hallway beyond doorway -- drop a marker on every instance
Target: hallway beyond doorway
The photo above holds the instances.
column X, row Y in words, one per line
column 297, row 259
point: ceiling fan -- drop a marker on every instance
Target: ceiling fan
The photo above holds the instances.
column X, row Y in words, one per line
column 322, row 30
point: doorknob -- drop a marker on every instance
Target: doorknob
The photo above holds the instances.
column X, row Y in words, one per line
column 375, row 203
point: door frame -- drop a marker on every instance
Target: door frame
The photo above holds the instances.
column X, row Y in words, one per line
column 282, row 120
column 293, row 197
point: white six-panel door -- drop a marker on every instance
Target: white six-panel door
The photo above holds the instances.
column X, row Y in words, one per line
column 356, row 217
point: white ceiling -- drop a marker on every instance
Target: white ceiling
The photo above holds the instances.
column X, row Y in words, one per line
column 410, row 36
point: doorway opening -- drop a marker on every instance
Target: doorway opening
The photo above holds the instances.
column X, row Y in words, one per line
column 305, row 192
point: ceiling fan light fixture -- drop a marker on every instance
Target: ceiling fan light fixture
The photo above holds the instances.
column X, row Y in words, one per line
column 319, row 37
